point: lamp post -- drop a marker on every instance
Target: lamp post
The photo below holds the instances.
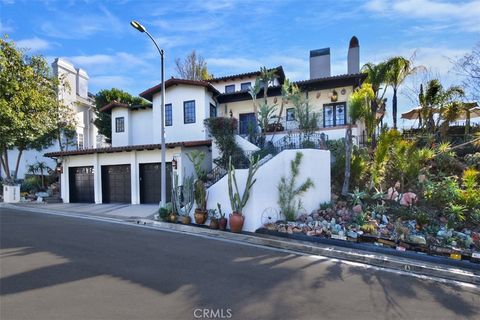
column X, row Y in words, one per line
column 163, row 168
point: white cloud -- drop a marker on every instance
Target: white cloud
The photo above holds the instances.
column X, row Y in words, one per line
column 5, row 28
column 34, row 44
column 464, row 15
column 79, row 26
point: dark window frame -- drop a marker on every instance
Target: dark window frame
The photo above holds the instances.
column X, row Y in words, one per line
column 334, row 106
column 185, row 112
column 293, row 114
column 119, row 126
column 230, row 86
column 214, row 109
column 168, row 115
column 249, row 84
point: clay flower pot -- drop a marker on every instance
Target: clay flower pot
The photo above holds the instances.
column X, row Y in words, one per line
column 236, row 222
column 222, row 223
column 214, row 223
column 200, row 216
column 186, row 219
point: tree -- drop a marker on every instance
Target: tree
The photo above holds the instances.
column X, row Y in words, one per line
column 193, row 67
column 469, row 67
column 104, row 121
column 398, row 69
column 359, row 108
column 27, row 97
column 436, row 99
column 377, row 77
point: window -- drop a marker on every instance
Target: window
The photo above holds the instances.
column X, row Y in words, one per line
column 168, row 114
column 245, row 86
column 230, row 88
column 291, row 114
column 189, row 111
column 213, row 111
column 120, row 124
column 80, row 141
column 334, row 114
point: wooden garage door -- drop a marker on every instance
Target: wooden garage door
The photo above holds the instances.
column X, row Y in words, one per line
column 116, row 186
column 150, row 182
column 81, row 184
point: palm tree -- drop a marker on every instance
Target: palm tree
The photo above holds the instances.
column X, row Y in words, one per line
column 359, row 108
column 377, row 76
column 436, row 99
column 398, row 69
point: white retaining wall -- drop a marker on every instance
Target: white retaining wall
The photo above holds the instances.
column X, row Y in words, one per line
column 315, row 165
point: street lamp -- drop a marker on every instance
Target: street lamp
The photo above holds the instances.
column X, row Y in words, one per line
column 163, row 168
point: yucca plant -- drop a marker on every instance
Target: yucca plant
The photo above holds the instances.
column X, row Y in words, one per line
column 237, row 200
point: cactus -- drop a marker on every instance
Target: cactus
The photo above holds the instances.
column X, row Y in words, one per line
column 182, row 196
column 236, row 201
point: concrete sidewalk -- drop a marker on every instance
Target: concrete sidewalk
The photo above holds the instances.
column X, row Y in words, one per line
column 112, row 210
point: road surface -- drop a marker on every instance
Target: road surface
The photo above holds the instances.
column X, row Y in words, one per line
column 55, row 267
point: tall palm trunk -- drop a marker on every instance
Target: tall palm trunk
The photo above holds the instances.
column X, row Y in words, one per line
column 394, row 107
column 348, row 159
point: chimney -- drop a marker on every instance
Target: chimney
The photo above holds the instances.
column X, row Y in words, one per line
column 320, row 63
column 82, row 83
column 353, row 56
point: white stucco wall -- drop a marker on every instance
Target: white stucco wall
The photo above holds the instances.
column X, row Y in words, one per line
column 141, row 125
column 264, row 192
column 180, row 131
column 121, row 138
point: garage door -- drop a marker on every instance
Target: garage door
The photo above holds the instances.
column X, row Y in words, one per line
column 116, row 187
column 150, row 184
column 81, row 184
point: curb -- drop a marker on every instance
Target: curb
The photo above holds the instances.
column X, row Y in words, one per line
column 400, row 264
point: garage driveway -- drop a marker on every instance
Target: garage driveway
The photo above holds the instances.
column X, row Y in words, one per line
column 117, row 210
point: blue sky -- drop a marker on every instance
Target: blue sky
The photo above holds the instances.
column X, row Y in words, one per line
column 239, row 36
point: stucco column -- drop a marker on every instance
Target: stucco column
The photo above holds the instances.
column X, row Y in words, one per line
column 134, row 178
column 64, row 185
column 97, row 179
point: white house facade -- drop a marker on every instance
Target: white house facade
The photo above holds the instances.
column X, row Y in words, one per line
column 128, row 171
column 81, row 103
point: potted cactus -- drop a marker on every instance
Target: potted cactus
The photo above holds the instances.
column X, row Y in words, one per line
column 212, row 214
column 182, row 198
column 200, row 194
column 237, row 200
column 222, row 221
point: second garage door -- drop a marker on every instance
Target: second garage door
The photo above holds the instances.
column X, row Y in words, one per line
column 116, row 184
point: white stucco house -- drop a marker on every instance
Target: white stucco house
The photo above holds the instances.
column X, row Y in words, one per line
column 129, row 170
column 81, row 102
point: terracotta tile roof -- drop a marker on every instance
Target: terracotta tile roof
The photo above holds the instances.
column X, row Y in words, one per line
column 197, row 143
column 148, row 94
column 115, row 104
column 311, row 84
column 279, row 69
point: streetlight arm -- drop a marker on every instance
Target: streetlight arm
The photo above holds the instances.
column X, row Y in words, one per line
column 155, row 43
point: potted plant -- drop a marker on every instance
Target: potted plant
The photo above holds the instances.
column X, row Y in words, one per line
column 164, row 212
column 200, row 194
column 186, row 205
column 222, row 221
column 212, row 213
column 237, row 200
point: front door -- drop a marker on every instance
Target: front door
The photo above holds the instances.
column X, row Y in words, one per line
column 247, row 123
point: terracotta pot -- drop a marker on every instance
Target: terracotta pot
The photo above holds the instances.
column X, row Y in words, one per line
column 214, row 224
column 236, row 222
column 200, row 216
column 222, row 223
column 172, row 217
column 186, row 219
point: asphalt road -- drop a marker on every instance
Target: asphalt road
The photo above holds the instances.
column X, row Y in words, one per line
column 56, row 267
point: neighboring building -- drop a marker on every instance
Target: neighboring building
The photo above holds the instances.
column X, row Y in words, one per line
column 82, row 103
column 129, row 170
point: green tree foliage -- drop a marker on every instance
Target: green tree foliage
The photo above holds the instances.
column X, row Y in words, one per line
column 27, row 96
column 288, row 193
column 193, row 67
column 104, row 120
column 398, row 69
